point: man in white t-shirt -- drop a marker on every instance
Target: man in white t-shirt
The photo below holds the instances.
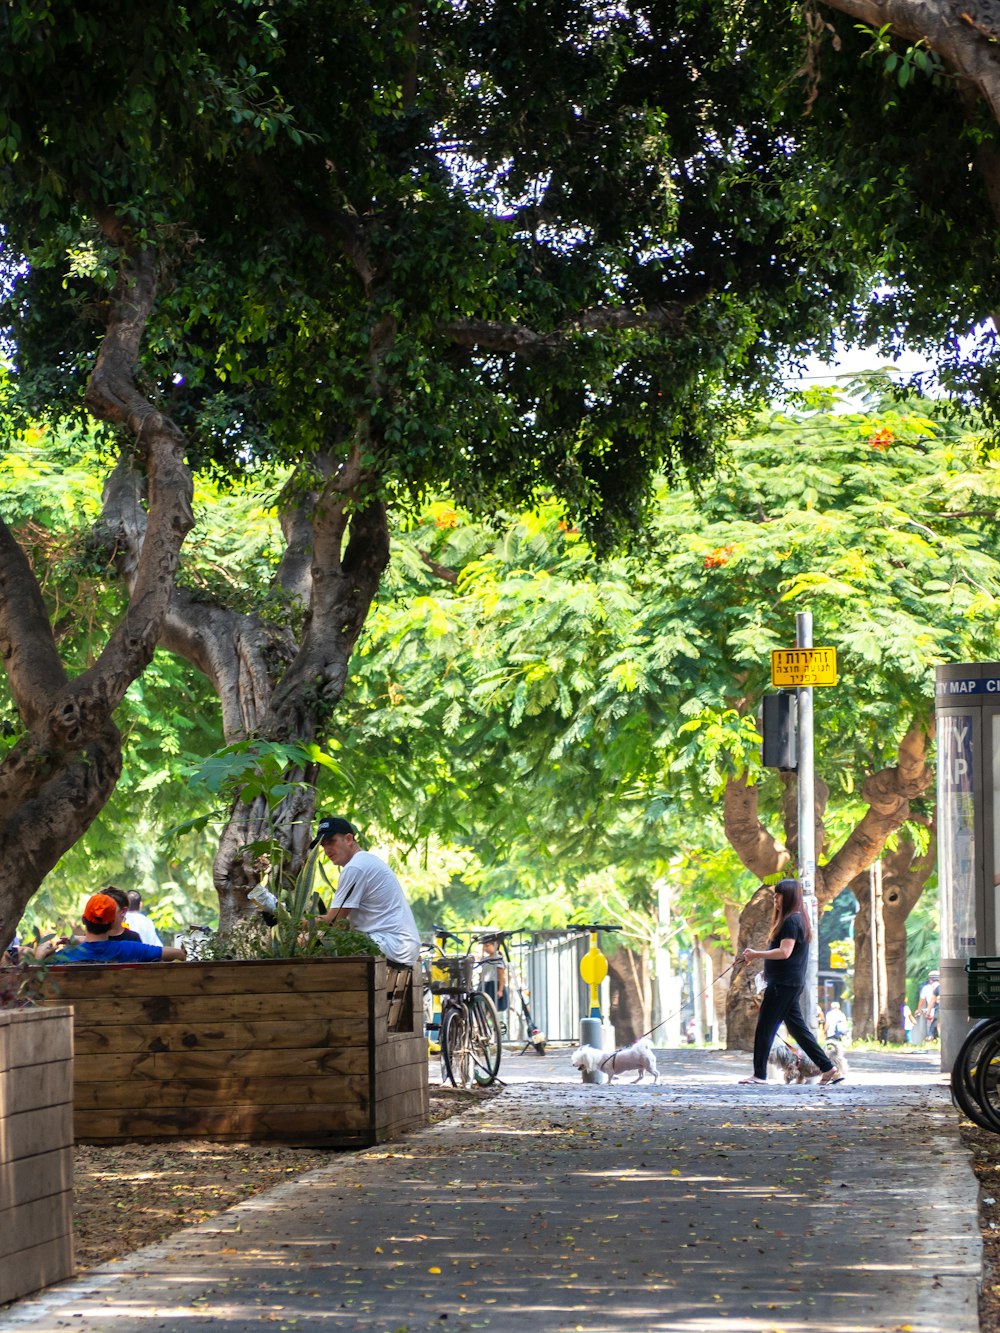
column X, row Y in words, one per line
column 369, row 896
column 137, row 920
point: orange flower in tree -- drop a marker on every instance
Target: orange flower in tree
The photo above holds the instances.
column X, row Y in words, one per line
column 446, row 518
column 881, row 440
column 563, row 526
column 720, row 556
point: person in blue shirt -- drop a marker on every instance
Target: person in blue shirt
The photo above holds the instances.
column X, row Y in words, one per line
column 97, row 946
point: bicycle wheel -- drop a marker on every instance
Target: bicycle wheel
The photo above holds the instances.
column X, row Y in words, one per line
column 966, row 1067
column 456, row 1057
column 484, row 1038
column 986, row 1082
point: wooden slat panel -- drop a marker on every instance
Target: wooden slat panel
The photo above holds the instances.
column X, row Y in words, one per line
column 36, row 1177
column 398, row 1049
column 33, row 1036
column 32, row 1086
column 38, row 1131
column 400, row 1079
column 84, row 982
column 349, row 1090
column 400, row 1114
column 282, row 1124
column 31, row 1224
column 37, row 1268
column 248, row 1063
column 155, row 1009
column 223, row 1093
column 230, row 1034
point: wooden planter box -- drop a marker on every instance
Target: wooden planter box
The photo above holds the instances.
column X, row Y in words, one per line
column 287, row 1050
column 36, row 1149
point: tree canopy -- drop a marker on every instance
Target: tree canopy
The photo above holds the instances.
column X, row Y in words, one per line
column 491, row 251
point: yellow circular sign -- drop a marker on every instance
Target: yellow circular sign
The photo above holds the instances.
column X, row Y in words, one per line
column 593, row 968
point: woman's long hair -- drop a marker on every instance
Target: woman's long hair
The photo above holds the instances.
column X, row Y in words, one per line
column 789, row 901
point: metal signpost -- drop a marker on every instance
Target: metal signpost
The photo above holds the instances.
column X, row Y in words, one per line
column 800, row 668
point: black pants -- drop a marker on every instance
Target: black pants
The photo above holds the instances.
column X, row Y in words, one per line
column 781, row 1005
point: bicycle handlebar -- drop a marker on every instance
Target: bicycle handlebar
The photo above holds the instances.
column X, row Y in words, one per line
column 576, row 925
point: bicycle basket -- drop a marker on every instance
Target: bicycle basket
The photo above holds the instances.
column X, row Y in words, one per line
column 984, row 987
column 451, row 974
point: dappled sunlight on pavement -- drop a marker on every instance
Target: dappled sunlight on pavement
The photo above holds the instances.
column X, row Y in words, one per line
column 691, row 1205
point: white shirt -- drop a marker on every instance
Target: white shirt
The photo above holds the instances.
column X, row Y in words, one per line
column 372, row 895
column 143, row 927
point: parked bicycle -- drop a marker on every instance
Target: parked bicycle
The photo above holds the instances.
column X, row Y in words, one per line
column 975, row 1075
column 469, row 1033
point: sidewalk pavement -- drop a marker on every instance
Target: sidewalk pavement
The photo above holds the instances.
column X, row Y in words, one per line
column 693, row 1206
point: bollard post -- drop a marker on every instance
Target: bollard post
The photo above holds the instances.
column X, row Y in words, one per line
column 592, row 1034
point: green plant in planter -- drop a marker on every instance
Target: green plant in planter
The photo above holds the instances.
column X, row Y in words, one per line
column 298, row 931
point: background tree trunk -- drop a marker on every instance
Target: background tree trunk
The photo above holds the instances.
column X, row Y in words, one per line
column 741, row 999
column 58, row 776
column 631, row 995
column 904, row 875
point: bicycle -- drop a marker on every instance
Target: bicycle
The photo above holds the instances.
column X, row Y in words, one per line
column 470, row 1029
column 975, row 1075
column 535, row 1036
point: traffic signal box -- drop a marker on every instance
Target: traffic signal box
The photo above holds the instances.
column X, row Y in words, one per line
column 779, row 724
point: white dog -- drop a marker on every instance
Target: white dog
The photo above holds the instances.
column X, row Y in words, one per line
column 640, row 1056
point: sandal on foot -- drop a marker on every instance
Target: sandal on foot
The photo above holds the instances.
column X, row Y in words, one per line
column 831, row 1076
column 753, row 1080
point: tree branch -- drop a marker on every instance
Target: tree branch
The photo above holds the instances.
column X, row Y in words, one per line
column 494, row 336
column 760, row 852
column 888, row 794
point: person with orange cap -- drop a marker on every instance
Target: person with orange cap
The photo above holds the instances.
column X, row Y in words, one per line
column 97, row 946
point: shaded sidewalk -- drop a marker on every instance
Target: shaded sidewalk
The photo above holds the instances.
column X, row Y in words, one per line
column 694, row 1205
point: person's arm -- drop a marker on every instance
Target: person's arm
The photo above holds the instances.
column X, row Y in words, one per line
column 783, row 950
column 45, row 947
column 341, row 914
column 173, row 955
column 336, row 914
column 501, row 980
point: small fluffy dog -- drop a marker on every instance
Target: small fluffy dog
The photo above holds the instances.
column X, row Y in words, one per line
column 791, row 1064
column 638, row 1056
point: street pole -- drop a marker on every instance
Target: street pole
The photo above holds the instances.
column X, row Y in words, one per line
column 807, row 821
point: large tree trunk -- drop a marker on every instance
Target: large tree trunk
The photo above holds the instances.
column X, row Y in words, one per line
column 270, row 686
column 888, row 794
column 904, row 875
column 59, row 775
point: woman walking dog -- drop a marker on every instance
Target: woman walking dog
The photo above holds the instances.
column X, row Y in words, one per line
column 785, row 961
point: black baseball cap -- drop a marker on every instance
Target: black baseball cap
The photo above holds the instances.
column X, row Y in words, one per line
column 329, row 826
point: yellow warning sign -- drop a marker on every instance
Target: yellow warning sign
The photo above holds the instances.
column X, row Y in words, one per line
column 798, row 668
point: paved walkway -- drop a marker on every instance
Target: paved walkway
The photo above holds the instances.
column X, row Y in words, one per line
column 694, row 1206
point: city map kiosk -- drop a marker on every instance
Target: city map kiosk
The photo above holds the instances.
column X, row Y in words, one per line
column 967, row 707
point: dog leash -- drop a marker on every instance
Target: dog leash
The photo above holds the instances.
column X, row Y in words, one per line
column 737, row 962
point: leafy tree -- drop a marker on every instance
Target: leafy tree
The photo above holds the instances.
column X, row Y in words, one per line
column 395, row 250
column 594, row 710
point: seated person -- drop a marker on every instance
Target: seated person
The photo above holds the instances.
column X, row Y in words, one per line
column 99, row 918
column 369, row 897
column 120, row 931
column 138, row 920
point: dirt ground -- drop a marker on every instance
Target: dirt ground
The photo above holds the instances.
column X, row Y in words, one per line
column 133, row 1194
column 985, row 1149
